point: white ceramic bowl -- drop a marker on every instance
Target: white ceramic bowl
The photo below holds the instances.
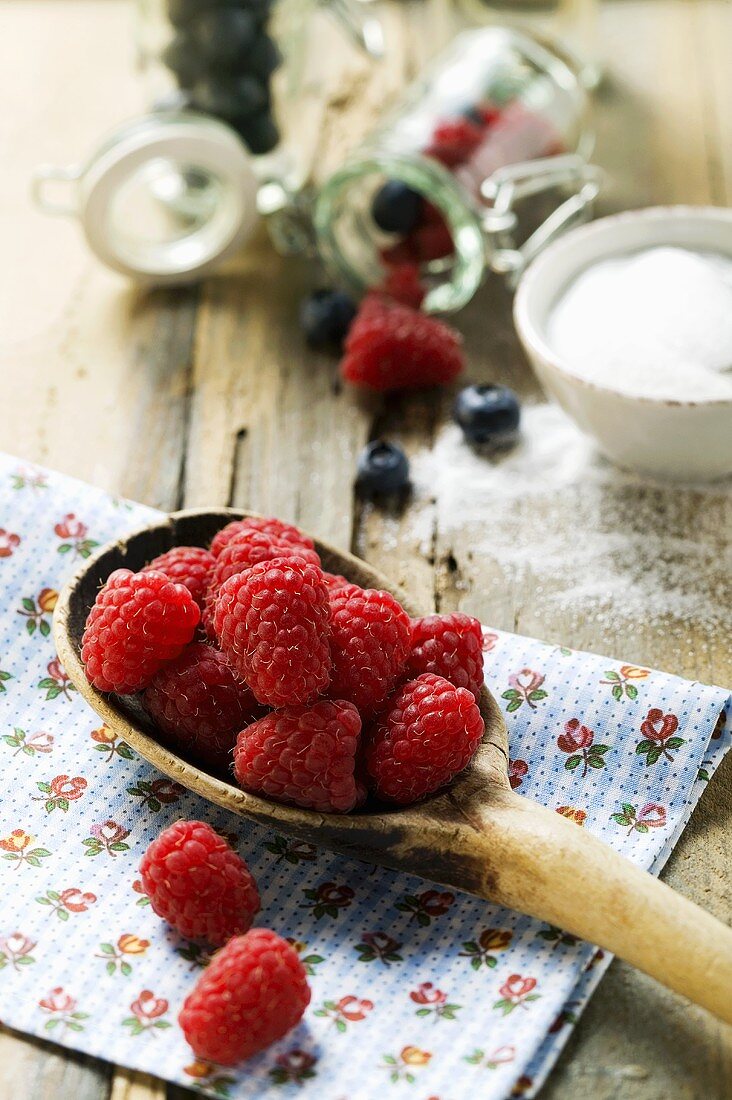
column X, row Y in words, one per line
column 674, row 440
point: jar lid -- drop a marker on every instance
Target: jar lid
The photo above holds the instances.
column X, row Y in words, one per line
column 165, row 198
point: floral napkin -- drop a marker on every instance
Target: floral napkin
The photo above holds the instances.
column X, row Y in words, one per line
column 416, row 991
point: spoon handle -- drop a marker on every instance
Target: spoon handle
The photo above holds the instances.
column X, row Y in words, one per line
column 544, row 865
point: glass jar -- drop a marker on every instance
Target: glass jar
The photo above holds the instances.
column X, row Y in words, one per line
column 240, row 61
column 169, row 196
column 496, row 117
column 571, row 26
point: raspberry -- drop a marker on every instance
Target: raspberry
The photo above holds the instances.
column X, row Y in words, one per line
column 489, row 116
column 251, row 547
column 432, row 215
column 303, row 755
column 450, row 646
column 402, row 283
column 453, row 142
column 401, row 254
column 199, row 705
column 197, row 883
column 432, row 241
column 272, row 623
column 428, row 734
column 252, row 993
column 393, row 347
column 244, row 549
column 188, row 565
column 334, row 581
column 268, row 525
column 138, row 623
column 370, row 638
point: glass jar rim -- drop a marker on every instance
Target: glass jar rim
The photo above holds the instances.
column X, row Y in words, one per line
column 434, row 182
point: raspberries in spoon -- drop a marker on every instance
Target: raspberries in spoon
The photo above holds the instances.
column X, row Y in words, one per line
column 313, row 687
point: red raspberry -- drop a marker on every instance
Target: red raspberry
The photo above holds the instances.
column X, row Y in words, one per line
column 252, row 993
column 431, row 214
column 138, row 623
column 244, row 549
column 401, row 254
column 200, row 706
column 453, row 142
column 303, row 755
column 272, row 623
column 432, row 241
column 429, row 733
column 197, row 883
column 188, row 565
column 370, row 638
column 336, row 580
column 402, row 283
column 393, row 347
column 268, row 525
column 489, row 115
column 450, row 646
column 251, row 547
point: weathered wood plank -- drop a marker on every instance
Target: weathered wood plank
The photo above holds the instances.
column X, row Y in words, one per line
column 39, row 1071
column 96, row 373
column 270, row 428
column 136, row 1086
column 665, row 126
column 108, row 384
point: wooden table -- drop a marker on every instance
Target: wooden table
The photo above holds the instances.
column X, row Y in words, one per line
column 207, row 396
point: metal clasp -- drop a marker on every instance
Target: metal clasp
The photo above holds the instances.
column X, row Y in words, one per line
column 46, row 174
column 516, row 182
column 289, row 217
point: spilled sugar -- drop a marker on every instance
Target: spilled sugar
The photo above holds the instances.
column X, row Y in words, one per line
column 583, row 537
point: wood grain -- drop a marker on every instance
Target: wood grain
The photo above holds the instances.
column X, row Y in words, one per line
column 177, row 399
column 128, row 1085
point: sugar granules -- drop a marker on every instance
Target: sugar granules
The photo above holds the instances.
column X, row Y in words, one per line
column 656, row 323
column 580, row 536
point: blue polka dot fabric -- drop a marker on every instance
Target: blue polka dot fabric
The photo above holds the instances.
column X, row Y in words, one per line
column 416, row 991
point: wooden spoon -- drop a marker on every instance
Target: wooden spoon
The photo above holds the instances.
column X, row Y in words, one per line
column 478, row 835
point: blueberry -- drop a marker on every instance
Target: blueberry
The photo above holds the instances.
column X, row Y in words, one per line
column 236, row 98
column 396, row 207
column 250, row 97
column 181, row 12
column 260, row 8
column 183, row 58
column 262, row 58
column 259, row 132
column 382, row 468
column 224, row 36
column 487, row 414
column 472, row 114
column 326, row 316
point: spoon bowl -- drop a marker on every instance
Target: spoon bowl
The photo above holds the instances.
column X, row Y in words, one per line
column 476, row 835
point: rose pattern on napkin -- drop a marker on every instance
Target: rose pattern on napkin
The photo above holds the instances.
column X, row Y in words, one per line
column 417, row 991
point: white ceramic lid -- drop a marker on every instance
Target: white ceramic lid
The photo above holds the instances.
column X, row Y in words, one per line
column 165, row 199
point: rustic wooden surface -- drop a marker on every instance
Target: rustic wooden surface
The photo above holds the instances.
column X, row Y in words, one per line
column 207, row 397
